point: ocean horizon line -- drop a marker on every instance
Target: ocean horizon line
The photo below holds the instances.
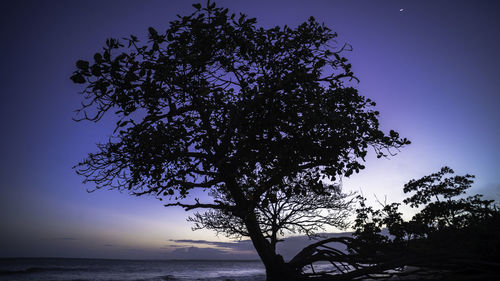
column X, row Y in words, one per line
column 125, row 259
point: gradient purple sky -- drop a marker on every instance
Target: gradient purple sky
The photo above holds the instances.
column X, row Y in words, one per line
column 433, row 69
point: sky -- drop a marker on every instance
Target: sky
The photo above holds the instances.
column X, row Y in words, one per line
column 431, row 66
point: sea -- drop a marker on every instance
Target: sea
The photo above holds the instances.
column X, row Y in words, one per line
column 58, row 269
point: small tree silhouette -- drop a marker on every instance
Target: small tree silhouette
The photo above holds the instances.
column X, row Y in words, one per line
column 283, row 213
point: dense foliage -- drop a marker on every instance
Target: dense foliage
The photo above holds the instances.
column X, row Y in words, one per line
column 451, row 237
column 250, row 115
column 443, row 214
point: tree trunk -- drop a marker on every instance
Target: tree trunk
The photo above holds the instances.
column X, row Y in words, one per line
column 276, row 268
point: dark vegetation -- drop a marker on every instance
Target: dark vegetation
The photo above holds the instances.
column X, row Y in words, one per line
column 265, row 121
column 451, row 238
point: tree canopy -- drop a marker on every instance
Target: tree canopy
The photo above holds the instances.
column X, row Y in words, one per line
column 217, row 103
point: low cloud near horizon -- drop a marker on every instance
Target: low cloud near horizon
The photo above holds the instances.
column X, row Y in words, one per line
column 65, row 238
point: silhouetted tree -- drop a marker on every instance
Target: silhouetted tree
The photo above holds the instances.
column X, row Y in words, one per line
column 280, row 213
column 216, row 103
